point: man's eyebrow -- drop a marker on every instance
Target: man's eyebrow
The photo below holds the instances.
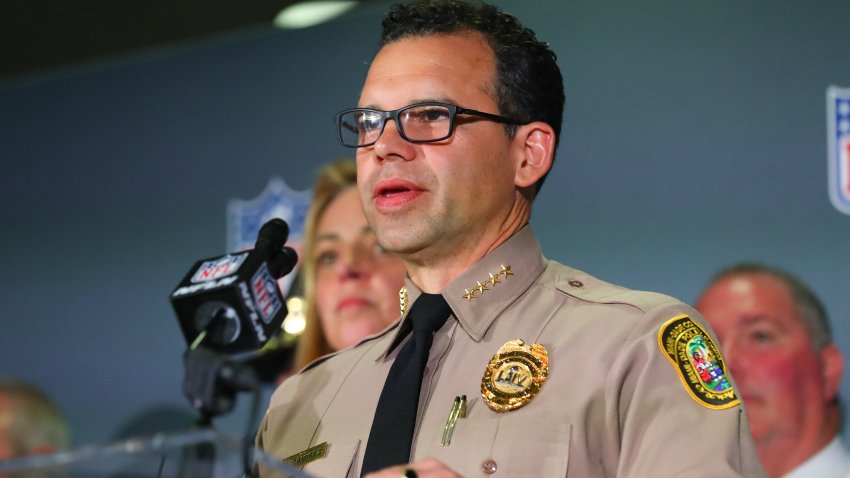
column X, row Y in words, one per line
column 756, row 318
column 440, row 99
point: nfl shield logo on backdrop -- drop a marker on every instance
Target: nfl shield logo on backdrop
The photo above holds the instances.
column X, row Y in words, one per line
column 245, row 217
column 838, row 146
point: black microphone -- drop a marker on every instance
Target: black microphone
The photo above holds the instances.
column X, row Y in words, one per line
column 232, row 303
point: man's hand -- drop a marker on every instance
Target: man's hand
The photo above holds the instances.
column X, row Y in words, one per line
column 429, row 468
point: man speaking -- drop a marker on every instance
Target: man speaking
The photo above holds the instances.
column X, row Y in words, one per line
column 503, row 363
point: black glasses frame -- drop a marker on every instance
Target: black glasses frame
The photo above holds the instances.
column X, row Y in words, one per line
column 454, row 110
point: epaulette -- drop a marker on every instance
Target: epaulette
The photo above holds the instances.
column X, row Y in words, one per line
column 590, row 289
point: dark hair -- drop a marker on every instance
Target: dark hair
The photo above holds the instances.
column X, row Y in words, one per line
column 810, row 308
column 528, row 83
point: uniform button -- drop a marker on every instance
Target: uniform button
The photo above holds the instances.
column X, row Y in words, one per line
column 489, row 467
column 576, row 283
column 426, row 371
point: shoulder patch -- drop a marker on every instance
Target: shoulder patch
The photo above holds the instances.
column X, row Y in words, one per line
column 697, row 360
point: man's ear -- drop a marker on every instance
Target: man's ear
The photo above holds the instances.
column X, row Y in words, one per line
column 535, row 150
column 832, row 367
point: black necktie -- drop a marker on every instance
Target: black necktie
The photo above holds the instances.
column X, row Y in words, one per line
column 395, row 418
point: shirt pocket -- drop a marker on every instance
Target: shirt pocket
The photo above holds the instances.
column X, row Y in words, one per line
column 340, row 461
column 508, row 446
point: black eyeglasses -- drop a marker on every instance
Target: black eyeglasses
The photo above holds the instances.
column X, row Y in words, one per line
column 424, row 122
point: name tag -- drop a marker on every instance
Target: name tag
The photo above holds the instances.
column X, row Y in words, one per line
column 311, row 454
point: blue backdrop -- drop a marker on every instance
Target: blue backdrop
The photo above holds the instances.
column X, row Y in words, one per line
column 694, row 137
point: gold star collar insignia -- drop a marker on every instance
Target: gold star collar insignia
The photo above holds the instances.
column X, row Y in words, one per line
column 481, row 287
column 402, row 300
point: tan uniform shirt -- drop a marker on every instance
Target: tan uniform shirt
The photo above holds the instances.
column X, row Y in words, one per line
column 613, row 404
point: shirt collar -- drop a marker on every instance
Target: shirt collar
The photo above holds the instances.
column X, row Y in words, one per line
column 481, row 293
column 832, row 460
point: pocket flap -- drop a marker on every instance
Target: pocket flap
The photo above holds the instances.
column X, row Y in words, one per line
column 532, row 448
column 508, row 447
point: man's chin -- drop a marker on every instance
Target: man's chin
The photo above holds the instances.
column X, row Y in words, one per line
column 401, row 241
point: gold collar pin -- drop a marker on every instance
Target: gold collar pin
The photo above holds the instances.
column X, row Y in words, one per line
column 481, row 287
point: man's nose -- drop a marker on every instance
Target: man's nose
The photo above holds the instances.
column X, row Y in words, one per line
column 391, row 144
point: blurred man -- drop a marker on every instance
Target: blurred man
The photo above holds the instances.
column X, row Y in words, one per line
column 29, row 421
column 503, row 363
column 777, row 342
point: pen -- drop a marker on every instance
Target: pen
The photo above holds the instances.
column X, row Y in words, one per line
column 458, row 411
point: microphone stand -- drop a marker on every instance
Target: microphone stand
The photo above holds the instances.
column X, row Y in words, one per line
column 211, row 383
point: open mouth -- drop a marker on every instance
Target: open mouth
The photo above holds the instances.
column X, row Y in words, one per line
column 394, row 191
column 394, row 187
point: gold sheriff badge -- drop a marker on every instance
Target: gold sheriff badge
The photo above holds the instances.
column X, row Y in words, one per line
column 514, row 375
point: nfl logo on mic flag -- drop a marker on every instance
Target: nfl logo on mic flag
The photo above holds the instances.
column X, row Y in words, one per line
column 838, row 146
column 263, row 286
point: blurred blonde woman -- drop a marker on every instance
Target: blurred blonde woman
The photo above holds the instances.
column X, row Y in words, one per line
column 351, row 284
